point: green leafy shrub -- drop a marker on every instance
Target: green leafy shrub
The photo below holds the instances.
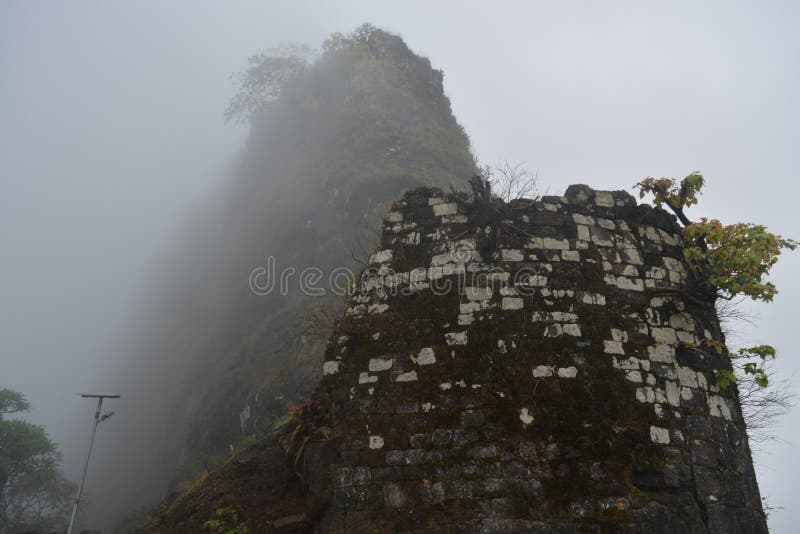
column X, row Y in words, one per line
column 226, row 521
column 727, row 260
column 735, row 258
column 34, row 495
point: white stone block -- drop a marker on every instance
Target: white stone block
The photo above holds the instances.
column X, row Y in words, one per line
column 633, row 376
column 434, row 273
column 450, row 208
column 567, row 372
column 664, row 335
column 687, row 377
column 478, row 293
column 561, row 316
column 645, row 394
column 608, row 224
column 382, row 256
column 417, row 275
column 583, row 219
column 425, row 356
column 659, row 435
column 686, row 337
column 466, row 319
column 512, row 303
column 456, row 338
column 525, row 417
column 535, row 242
column 674, row 265
column 673, row 393
column 551, row 243
column 631, row 363
column 661, row 352
column 441, row 259
column 717, row 407
column 631, row 255
column 619, row 335
column 366, row 378
column 537, row 280
column 380, row 364
column 469, row 307
column 604, row 199
column 394, row 217
column 572, row 330
column 410, row 376
column 331, row 367
column 682, row 321
column 594, row 298
column 512, row 255
column 377, row 308
column 635, row 284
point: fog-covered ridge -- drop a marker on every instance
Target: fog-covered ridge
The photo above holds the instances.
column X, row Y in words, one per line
column 217, row 362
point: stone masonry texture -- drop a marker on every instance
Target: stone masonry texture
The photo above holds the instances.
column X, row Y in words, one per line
column 533, row 366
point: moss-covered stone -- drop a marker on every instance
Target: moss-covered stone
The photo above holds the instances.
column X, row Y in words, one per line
column 561, row 389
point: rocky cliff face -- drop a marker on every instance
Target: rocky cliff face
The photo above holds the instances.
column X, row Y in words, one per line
column 345, row 139
column 533, row 367
column 210, row 361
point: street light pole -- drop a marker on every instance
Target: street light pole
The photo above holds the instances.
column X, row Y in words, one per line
column 97, row 420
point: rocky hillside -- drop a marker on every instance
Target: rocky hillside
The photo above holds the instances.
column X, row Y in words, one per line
column 211, row 362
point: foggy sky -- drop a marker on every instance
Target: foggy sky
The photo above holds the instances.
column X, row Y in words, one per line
column 111, row 129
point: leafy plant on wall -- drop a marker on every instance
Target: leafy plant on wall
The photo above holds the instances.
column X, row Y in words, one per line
column 727, row 261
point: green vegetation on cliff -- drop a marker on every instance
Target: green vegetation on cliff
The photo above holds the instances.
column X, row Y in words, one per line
column 729, row 261
column 34, row 495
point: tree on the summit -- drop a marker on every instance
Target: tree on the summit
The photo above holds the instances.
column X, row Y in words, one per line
column 34, row 495
column 269, row 73
column 265, row 78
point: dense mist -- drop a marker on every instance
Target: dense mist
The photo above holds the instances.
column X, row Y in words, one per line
column 131, row 214
column 210, row 361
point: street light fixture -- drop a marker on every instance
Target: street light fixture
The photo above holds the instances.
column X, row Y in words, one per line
column 97, row 420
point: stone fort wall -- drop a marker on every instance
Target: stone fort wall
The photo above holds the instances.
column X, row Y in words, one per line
column 533, row 367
